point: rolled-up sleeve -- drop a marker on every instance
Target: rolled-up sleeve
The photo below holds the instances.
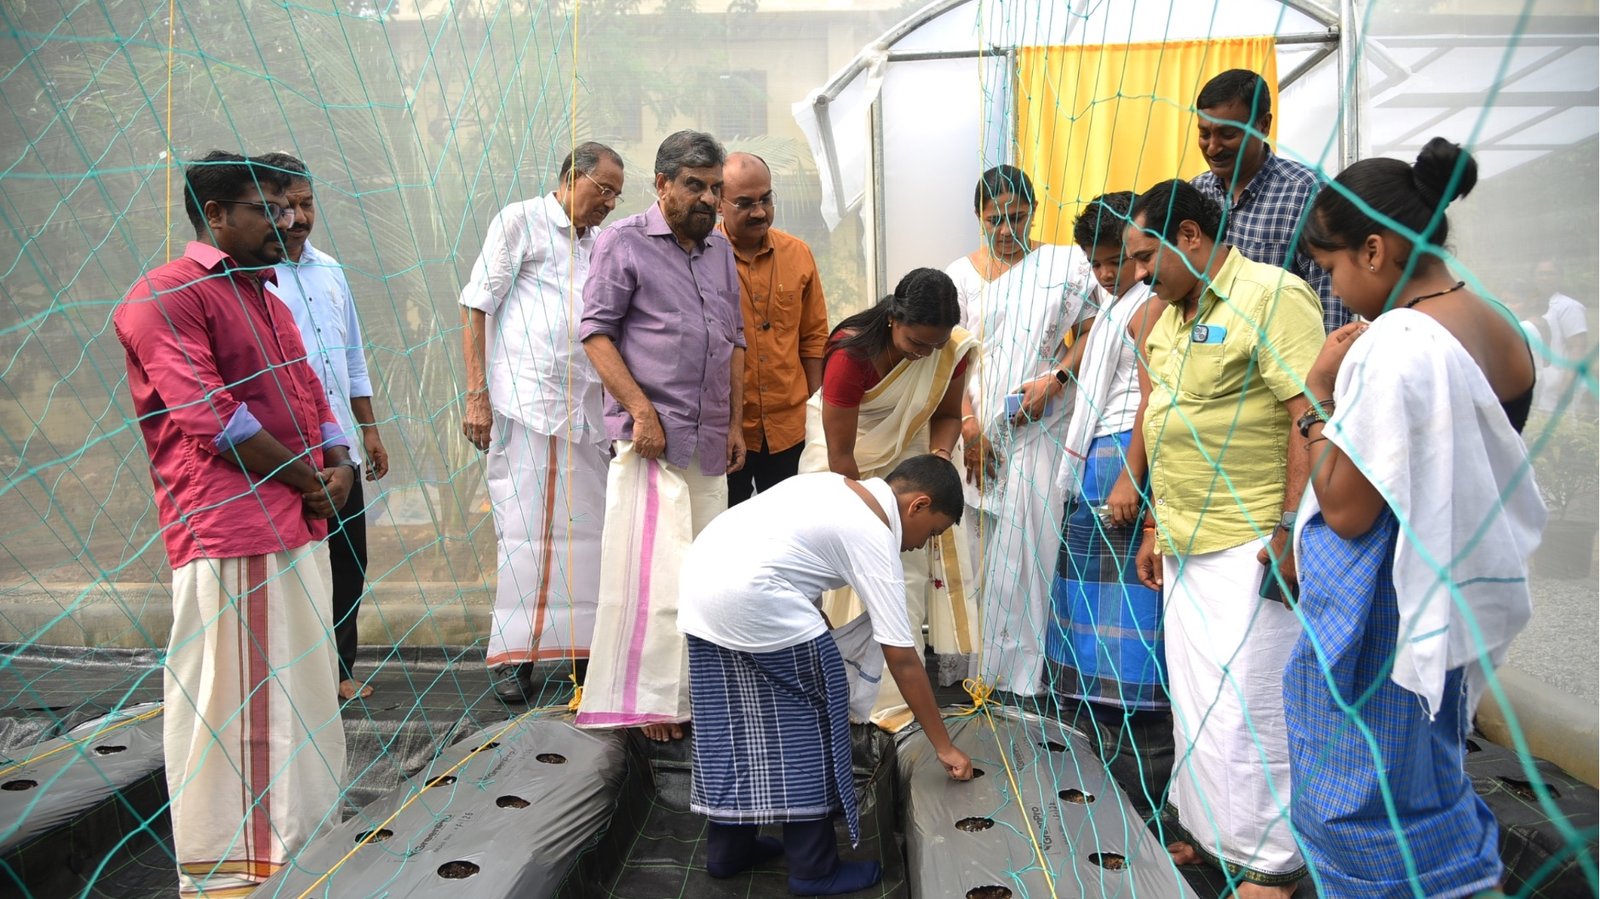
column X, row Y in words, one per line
column 608, row 292
column 356, row 351
column 167, row 338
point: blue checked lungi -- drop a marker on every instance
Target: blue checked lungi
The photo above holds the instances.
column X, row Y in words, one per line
column 1105, row 633
column 1354, row 845
column 771, row 735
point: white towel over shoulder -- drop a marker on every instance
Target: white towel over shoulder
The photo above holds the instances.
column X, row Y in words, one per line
column 1416, row 415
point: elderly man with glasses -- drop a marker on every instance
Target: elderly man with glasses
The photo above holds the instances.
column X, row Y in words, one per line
column 534, row 405
column 785, row 324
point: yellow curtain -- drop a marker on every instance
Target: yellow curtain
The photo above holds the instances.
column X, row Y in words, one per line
column 1111, row 117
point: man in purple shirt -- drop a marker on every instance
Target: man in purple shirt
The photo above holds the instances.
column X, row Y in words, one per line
column 662, row 325
column 249, row 464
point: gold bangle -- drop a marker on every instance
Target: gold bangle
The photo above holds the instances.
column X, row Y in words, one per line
column 967, row 418
column 941, row 452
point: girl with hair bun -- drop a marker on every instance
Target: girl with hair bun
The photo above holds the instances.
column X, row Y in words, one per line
column 1412, row 541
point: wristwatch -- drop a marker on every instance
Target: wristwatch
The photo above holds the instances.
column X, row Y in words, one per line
column 1062, row 376
column 1318, row 412
column 1286, row 523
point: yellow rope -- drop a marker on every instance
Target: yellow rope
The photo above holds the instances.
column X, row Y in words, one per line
column 172, row 58
column 418, row 795
column 145, row 716
column 980, row 693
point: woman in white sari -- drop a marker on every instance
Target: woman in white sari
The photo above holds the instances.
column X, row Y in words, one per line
column 892, row 387
column 1022, row 300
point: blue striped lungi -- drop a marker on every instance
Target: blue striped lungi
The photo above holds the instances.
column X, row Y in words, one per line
column 771, row 735
column 1440, row 839
column 1105, row 633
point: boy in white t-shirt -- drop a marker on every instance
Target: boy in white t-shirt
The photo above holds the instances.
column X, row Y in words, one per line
column 771, row 741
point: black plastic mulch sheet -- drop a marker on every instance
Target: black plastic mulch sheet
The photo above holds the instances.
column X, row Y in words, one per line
column 501, row 813
column 985, row 837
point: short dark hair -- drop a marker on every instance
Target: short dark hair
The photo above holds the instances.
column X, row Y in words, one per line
column 1412, row 197
column 1102, row 220
column 925, row 296
column 688, row 150
column 934, row 476
column 999, row 181
column 283, row 162
column 220, row 175
column 586, row 157
column 1169, row 204
column 1237, row 84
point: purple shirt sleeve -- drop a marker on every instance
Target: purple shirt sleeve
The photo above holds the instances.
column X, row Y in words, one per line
column 241, row 427
column 333, row 435
column 608, row 292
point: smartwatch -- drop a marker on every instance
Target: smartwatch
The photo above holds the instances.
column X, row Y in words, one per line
column 1062, row 376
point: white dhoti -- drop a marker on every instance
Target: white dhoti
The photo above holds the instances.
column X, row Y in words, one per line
column 254, row 745
column 638, row 669
column 1019, row 538
column 1226, row 652
column 548, row 496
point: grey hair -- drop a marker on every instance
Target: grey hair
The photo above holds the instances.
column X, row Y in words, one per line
column 688, row 149
column 586, row 157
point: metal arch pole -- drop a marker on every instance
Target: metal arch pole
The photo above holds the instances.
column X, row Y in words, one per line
column 878, row 271
column 1351, row 36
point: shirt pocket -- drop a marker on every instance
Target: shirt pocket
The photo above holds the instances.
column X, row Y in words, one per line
column 784, row 304
column 1210, row 370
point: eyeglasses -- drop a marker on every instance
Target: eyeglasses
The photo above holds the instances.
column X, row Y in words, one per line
column 272, row 211
column 606, row 193
column 744, row 204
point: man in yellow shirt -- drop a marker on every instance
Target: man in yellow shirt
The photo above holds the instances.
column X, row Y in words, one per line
column 1226, row 369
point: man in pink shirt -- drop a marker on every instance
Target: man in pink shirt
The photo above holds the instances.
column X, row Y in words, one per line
column 248, row 464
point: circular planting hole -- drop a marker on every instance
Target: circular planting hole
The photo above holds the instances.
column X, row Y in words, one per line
column 374, row 836
column 511, row 802
column 487, row 746
column 17, row 786
column 443, row 780
column 1111, row 861
column 1076, row 796
column 989, row 892
column 973, row 825
column 457, row 870
column 551, row 758
column 109, row 750
column 1053, row 746
column 1524, row 790
column 977, row 773
column 1472, row 746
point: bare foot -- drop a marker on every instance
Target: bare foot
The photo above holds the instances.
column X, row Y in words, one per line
column 662, row 733
column 1184, row 853
column 1259, row 891
column 348, row 690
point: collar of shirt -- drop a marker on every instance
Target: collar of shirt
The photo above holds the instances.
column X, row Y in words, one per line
column 212, row 258
column 741, row 255
column 655, row 225
column 1270, row 173
column 1220, row 286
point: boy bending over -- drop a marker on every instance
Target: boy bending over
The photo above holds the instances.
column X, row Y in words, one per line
column 771, row 741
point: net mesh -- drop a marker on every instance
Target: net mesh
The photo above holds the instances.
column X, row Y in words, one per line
column 420, row 120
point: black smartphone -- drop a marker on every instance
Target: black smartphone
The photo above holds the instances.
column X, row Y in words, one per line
column 1272, row 588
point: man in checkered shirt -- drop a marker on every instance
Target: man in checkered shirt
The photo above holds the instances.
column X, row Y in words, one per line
column 1266, row 195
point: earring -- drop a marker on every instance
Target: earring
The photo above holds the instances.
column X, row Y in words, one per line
column 1372, row 268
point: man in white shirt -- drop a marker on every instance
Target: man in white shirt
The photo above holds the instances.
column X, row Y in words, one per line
column 767, row 684
column 1569, row 341
column 312, row 284
column 534, row 405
